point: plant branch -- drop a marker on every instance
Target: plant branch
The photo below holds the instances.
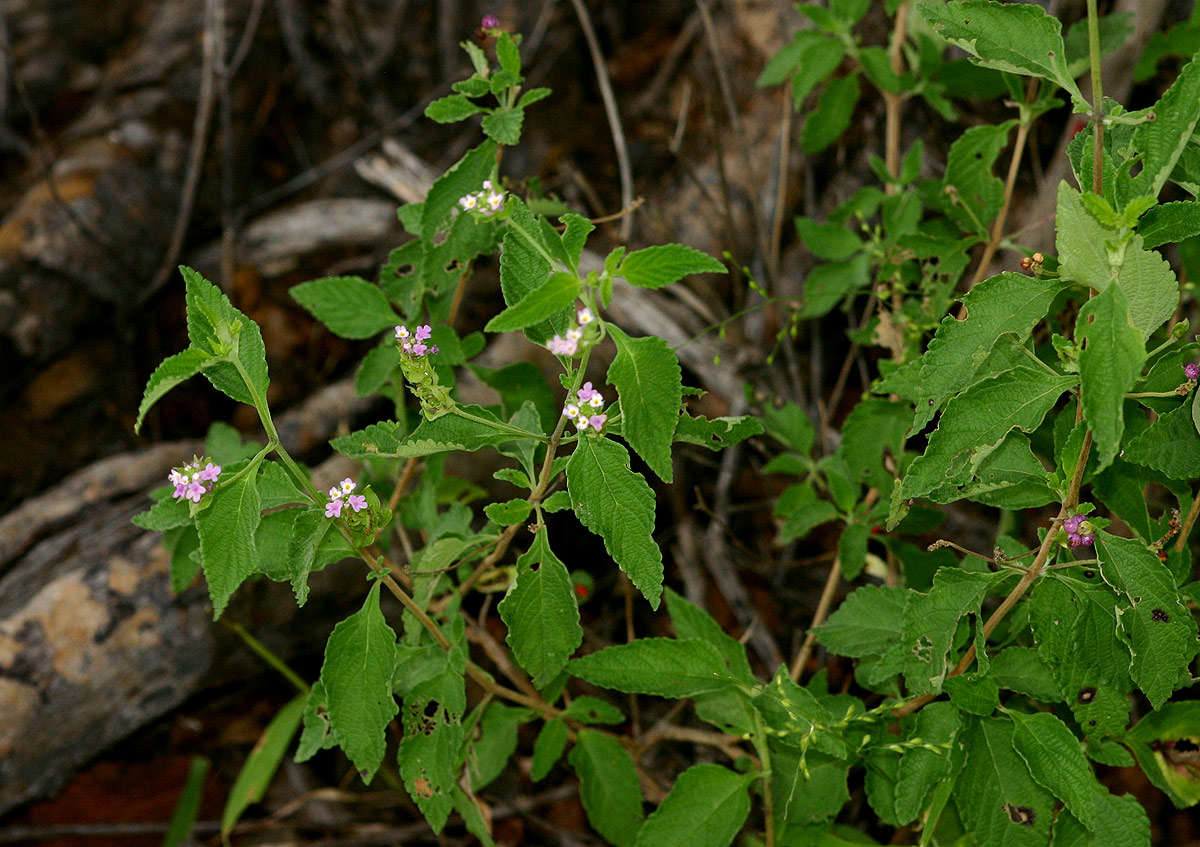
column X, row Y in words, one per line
column 895, row 102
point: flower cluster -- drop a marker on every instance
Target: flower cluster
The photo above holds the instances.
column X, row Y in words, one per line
column 568, row 345
column 1080, row 533
column 193, row 480
column 413, row 343
column 489, row 22
column 487, row 200
column 340, row 496
column 589, row 400
column 1192, row 371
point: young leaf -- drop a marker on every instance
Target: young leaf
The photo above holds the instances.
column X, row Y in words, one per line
column 360, row 658
column 608, row 786
column 210, row 316
column 654, row 267
column 554, row 295
column 829, row 241
column 1007, row 303
column 167, row 513
column 969, row 173
column 504, row 125
column 309, row 528
column 1170, row 445
column 1016, row 38
column 1109, row 364
column 998, row 800
column 716, row 433
column 665, row 667
column 1055, row 759
column 490, row 751
column 827, row 284
column 617, row 504
column 350, row 306
column 541, row 613
column 465, row 176
column 447, row 110
column 171, row 372
column 825, row 124
column 706, row 807
column 315, row 735
column 1161, row 628
column 262, row 763
column 447, row 433
column 867, row 622
column 593, row 710
column 227, row 528
column 650, row 387
column 548, row 748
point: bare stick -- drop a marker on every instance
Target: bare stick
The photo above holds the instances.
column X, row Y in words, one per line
column 894, row 102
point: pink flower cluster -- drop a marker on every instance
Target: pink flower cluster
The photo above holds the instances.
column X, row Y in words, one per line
column 589, row 400
column 413, row 343
column 193, row 480
column 340, row 496
column 568, row 345
column 1080, row 533
column 489, row 22
column 487, row 200
column 1192, row 371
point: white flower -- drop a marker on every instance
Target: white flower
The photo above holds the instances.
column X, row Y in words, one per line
column 469, row 201
column 571, row 411
column 335, row 493
column 585, row 316
column 495, row 201
column 596, row 401
column 348, row 485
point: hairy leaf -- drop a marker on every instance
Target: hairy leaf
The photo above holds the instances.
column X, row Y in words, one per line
column 649, row 384
column 1109, row 364
column 227, row 528
column 665, row 667
column 654, row 267
column 999, row 802
column 349, row 305
column 608, row 787
column 706, row 807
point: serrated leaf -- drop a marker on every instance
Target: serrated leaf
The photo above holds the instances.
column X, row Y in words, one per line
column 1170, row 445
column 227, row 528
column 541, row 613
column 617, row 504
column 349, row 306
column 873, row 431
column 819, row 60
column 555, row 294
column 168, row 513
column 360, row 658
column 504, row 125
column 1119, row 821
column 1162, row 141
column 207, row 311
column 465, row 176
column 969, row 174
column 430, row 760
column 929, row 623
column 1161, row 629
column 171, row 372
column 867, row 623
column 691, row 621
column 789, row 58
column 716, row 433
column 1056, row 761
column 262, row 763
column 491, row 749
column 593, row 710
column 825, row 124
column 315, row 735
column 1008, row 37
column 455, row 107
column 829, row 241
column 807, row 787
column 922, row 768
column 447, row 433
column 666, row 667
column 548, row 748
column 1021, row 669
column 1110, row 362
column 999, row 802
column 1146, row 279
column 608, row 787
column 308, row 530
column 522, row 270
column 1005, row 304
column 649, row 385
column 1170, row 223
column 827, row 284
column 654, row 267
column 976, row 422
column 706, row 807
column 801, row 511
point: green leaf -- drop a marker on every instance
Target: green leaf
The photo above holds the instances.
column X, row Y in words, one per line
column 455, row 107
column 465, row 176
column 575, row 235
column 1162, row 141
column 262, row 763
column 445, row 434
column 1119, row 820
column 649, row 384
column 309, row 528
column 430, row 760
column 608, row 786
column 790, row 57
column 548, row 748
column 820, row 58
column 509, row 512
column 1021, row 669
column 541, row 613
column 973, row 694
column 1161, row 628
column 315, row 735
column 665, row 667
column 1114, row 29
column 922, row 768
column 930, row 621
column 617, row 504
column 801, row 511
column 692, row 622
column 825, row 124
column 1055, row 759
column 1163, row 742
column 1170, row 223
column 504, row 125
column 350, row 306
column 716, row 433
column 806, row 787
column 490, row 751
column 593, row 710
column 360, row 658
column 167, row 513
column 171, row 372
column 867, row 623
column 969, row 175
column 789, row 425
column 826, row 285
column 977, row 421
column 533, row 95
column 187, row 808
column 706, row 807
column 227, row 528
column 556, row 294
column 376, row 368
column 999, row 802
column 211, row 319
column 654, row 267
column 1110, row 362
column 1007, row 304
column 874, row 430
column 852, row 549
column 1145, row 278
column 829, row 241
column 1012, row 37
column 523, row 269
column 1170, row 445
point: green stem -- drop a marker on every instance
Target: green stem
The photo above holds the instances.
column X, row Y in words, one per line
column 519, row 433
column 267, row 656
column 764, row 755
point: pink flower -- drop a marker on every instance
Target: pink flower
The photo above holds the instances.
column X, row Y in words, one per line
column 586, row 392
column 210, row 472
column 597, row 421
column 423, row 333
column 193, row 480
column 489, row 22
column 195, row 491
column 1071, row 524
column 333, row 509
column 357, row 502
column 1192, row 371
column 560, row 346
